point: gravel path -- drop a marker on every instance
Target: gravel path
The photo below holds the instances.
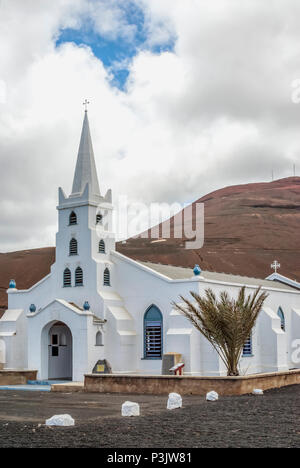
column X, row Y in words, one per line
column 271, row 420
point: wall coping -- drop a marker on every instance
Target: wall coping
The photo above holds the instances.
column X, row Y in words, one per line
column 196, row 377
column 17, row 371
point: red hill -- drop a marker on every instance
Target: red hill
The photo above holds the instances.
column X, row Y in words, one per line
column 246, row 228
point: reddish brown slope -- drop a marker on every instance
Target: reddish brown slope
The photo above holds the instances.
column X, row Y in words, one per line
column 27, row 267
column 246, row 228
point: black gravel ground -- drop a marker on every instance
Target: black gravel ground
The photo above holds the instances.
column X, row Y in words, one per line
column 271, row 420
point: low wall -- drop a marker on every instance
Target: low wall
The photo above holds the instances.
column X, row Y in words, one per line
column 188, row 385
column 16, row 377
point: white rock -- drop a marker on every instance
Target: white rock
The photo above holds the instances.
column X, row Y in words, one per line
column 174, row 401
column 257, row 391
column 212, row 396
column 60, row 420
column 129, row 408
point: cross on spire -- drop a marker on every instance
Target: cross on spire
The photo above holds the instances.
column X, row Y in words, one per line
column 85, row 104
column 275, row 265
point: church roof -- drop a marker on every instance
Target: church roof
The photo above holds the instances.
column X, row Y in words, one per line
column 283, row 279
column 178, row 273
column 85, row 172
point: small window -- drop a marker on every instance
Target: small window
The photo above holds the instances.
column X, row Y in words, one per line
column 54, row 350
column 153, row 340
column 99, row 339
column 72, row 218
column 106, row 277
column 247, row 349
column 101, row 246
column 73, row 248
column 99, row 218
column 54, row 339
column 67, row 277
column 78, row 277
column 282, row 319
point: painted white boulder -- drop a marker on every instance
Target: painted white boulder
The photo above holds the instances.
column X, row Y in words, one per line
column 174, row 401
column 212, row 396
column 257, row 391
column 60, row 420
column 129, row 408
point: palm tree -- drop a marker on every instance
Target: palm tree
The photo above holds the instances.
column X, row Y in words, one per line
column 226, row 323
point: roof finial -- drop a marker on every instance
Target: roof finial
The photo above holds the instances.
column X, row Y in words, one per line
column 86, row 103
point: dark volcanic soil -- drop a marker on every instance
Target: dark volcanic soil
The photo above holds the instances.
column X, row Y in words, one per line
column 271, row 420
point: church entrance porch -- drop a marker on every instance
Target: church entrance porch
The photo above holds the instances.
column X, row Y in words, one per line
column 60, row 352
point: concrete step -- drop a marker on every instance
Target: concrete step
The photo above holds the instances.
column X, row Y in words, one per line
column 31, row 388
column 67, row 387
column 38, row 382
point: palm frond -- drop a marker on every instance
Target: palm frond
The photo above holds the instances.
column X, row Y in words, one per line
column 226, row 323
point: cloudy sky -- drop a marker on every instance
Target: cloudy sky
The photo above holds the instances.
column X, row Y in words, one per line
column 186, row 97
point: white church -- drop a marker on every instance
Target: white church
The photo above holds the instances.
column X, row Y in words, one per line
column 99, row 304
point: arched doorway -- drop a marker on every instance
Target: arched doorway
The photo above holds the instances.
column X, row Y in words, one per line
column 60, row 352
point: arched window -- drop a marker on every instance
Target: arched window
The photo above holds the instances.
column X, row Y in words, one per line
column 153, row 328
column 67, row 277
column 99, row 218
column 73, row 248
column 106, row 277
column 247, row 349
column 99, row 339
column 78, row 277
column 72, row 218
column 282, row 319
column 101, row 246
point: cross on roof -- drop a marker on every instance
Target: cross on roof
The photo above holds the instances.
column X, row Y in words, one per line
column 86, row 103
column 275, row 265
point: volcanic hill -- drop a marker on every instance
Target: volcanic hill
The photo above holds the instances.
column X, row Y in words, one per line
column 246, row 227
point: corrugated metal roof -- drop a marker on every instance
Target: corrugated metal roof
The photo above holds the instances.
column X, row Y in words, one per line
column 174, row 272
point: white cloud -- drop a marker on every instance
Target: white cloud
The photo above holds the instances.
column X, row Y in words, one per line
column 217, row 110
column 109, row 19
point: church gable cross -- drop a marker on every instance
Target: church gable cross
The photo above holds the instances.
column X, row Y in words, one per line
column 85, row 104
column 275, row 265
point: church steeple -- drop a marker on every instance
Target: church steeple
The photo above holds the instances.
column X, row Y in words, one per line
column 85, row 172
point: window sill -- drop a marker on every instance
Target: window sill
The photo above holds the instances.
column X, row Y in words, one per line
column 151, row 359
column 73, row 224
column 73, row 255
column 99, row 345
column 247, row 355
column 67, row 286
column 78, row 285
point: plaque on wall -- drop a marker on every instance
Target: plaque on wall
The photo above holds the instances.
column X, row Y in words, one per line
column 102, row 367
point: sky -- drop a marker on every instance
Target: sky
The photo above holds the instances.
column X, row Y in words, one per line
column 185, row 97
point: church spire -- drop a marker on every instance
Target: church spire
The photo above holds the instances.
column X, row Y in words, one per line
column 85, row 172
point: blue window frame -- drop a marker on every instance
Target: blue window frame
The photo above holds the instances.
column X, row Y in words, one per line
column 247, row 349
column 72, row 219
column 78, row 277
column 73, row 247
column 153, row 333
column 106, row 277
column 101, row 246
column 67, row 278
column 282, row 319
